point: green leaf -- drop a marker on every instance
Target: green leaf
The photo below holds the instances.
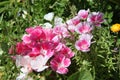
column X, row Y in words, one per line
column 4, row 3
column 81, row 75
column 1, row 51
column 110, row 15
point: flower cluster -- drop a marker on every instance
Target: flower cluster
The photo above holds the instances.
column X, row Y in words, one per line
column 83, row 24
column 43, row 48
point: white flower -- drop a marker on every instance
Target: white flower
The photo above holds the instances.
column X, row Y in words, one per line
column 22, row 61
column 23, row 74
column 58, row 21
column 47, row 25
column 39, row 63
column 49, row 16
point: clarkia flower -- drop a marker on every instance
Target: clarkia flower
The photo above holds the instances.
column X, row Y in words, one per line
column 84, row 42
column 95, row 18
column 39, row 63
column 83, row 14
column 60, row 63
column 83, row 27
column 71, row 24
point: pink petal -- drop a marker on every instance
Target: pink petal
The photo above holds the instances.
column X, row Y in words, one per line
column 62, row 70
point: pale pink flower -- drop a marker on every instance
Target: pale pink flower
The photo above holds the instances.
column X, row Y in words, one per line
column 83, row 14
column 71, row 24
column 61, row 31
column 75, row 20
column 83, row 27
column 83, row 44
column 60, row 63
column 39, row 63
column 95, row 18
column 23, row 61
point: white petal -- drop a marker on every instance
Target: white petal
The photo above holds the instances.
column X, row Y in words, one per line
column 58, row 21
column 49, row 16
column 22, row 76
column 39, row 63
column 47, row 25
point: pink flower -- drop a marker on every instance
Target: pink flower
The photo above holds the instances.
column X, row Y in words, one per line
column 35, row 52
column 60, row 63
column 66, row 51
column 50, row 35
column 35, row 33
column 22, row 48
column 84, row 43
column 95, row 18
column 26, row 38
column 47, row 49
column 75, row 20
column 83, row 14
column 83, row 27
column 71, row 24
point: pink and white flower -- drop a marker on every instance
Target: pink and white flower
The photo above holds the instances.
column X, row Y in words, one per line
column 84, row 42
column 71, row 24
column 83, row 14
column 83, row 27
column 95, row 18
column 39, row 63
column 60, row 63
column 61, row 31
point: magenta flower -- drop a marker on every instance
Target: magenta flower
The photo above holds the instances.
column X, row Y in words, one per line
column 83, row 14
column 22, row 48
column 66, row 51
column 35, row 33
column 83, row 44
column 60, row 63
column 95, row 18
column 83, row 27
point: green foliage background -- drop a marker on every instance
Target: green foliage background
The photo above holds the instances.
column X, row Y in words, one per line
column 101, row 63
